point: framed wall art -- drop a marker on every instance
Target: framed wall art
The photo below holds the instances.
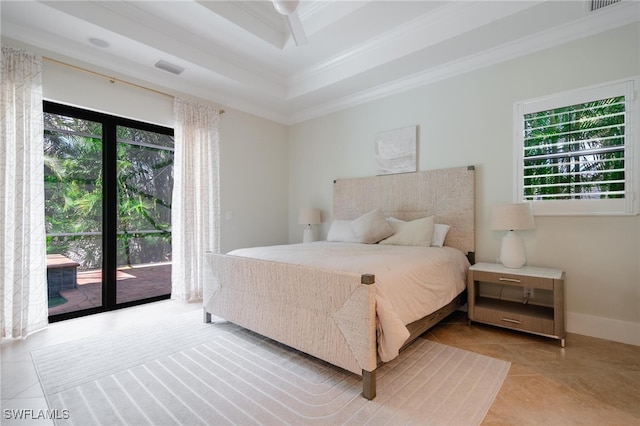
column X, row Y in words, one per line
column 396, row 151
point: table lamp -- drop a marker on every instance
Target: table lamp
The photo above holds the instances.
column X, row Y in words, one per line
column 511, row 218
column 309, row 217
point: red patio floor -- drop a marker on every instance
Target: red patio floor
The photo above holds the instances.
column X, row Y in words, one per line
column 135, row 283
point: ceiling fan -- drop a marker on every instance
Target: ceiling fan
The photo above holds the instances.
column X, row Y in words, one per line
column 288, row 8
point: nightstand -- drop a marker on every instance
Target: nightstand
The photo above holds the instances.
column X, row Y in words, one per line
column 501, row 300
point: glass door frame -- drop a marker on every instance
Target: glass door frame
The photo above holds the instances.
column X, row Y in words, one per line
column 109, row 203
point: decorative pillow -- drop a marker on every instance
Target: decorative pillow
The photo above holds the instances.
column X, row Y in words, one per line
column 371, row 227
column 340, row 231
column 439, row 234
column 417, row 232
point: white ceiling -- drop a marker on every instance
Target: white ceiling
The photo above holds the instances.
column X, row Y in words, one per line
column 239, row 54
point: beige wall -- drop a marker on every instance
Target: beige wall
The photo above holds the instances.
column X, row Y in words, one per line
column 468, row 120
column 253, row 151
column 254, row 177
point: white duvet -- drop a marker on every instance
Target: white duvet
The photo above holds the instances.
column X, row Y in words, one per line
column 411, row 281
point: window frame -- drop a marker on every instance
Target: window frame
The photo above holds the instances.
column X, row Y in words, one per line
column 630, row 204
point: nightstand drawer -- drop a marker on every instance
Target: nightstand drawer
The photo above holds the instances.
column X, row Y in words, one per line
column 513, row 279
column 534, row 323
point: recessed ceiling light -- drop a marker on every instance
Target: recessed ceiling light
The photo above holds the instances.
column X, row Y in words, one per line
column 98, row 42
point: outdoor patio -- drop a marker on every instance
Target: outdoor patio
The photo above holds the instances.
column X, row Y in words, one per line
column 135, row 283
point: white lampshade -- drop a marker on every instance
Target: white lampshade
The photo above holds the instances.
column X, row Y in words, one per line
column 512, row 217
column 309, row 217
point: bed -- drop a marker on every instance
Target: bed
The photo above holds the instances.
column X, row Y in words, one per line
column 342, row 309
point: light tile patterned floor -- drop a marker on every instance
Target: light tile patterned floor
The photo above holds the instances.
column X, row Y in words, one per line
column 590, row 382
column 20, row 387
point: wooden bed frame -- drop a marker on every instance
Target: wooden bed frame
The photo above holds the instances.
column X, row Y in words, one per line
column 330, row 314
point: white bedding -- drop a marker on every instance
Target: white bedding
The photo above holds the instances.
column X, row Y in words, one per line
column 411, row 281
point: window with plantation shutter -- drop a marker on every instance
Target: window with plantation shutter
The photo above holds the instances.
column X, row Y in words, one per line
column 576, row 151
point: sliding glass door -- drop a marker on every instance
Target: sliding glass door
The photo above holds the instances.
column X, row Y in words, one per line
column 145, row 182
column 108, row 185
column 73, row 152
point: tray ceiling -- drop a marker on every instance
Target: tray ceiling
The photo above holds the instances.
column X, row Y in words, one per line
column 240, row 54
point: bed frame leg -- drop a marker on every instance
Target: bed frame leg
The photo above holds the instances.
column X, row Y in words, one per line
column 207, row 316
column 369, row 384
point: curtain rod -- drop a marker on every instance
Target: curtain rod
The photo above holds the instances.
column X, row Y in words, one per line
column 111, row 79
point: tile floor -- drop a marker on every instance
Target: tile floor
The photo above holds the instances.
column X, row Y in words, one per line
column 590, row 382
column 20, row 387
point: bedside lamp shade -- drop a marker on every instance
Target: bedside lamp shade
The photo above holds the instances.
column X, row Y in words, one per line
column 512, row 217
column 309, row 217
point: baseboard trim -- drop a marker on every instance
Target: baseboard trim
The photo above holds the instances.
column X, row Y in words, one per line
column 604, row 328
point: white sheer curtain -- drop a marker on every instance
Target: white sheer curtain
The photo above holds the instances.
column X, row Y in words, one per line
column 195, row 213
column 23, row 279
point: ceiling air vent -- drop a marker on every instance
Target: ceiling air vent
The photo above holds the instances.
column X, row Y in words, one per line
column 599, row 4
column 166, row 66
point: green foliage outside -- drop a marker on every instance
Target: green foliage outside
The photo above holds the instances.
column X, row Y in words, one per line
column 575, row 152
column 74, row 192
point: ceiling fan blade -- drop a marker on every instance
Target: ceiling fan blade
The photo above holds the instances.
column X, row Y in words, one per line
column 285, row 7
column 295, row 27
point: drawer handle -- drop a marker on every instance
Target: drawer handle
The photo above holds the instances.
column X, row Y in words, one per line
column 511, row 280
column 511, row 320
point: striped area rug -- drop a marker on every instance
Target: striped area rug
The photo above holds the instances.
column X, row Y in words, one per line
column 191, row 373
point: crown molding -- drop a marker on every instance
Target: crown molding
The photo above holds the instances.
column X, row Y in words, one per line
column 445, row 22
column 623, row 14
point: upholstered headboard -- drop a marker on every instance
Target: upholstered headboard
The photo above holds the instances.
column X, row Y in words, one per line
column 448, row 194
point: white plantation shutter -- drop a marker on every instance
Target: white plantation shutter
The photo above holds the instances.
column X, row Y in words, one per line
column 575, row 151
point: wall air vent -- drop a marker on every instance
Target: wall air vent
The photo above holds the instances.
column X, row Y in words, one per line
column 166, row 66
column 599, row 4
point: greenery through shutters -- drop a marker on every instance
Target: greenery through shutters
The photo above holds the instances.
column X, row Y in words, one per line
column 575, row 152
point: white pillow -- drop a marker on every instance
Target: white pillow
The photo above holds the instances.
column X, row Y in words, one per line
column 414, row 233
column 371, row 227
column 439, row 234
column 340, row 231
